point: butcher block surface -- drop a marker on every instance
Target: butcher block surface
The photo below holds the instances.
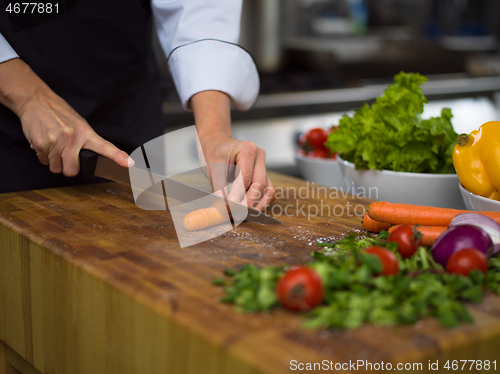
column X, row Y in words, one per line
column 90, row 283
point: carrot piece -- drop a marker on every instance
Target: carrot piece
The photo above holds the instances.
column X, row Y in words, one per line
column 202, row 218
column 408, row 214
column 374, row 226
column 429, row 233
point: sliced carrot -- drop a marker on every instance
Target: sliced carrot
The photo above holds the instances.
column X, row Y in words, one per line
column 374, row 226
column 429, row 233
column 202, row 218
column 408, row 214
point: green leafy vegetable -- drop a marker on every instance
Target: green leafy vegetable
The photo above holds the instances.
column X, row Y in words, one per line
column 392, row 135
column 251, row 289
column 354, row 296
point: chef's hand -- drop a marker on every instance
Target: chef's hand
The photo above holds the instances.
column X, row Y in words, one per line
column 55, row 131
column 213, row 124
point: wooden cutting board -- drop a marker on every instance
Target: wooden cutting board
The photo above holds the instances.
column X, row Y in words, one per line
column 90, row 283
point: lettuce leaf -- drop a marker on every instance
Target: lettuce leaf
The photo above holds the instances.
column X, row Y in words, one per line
column 392, row 135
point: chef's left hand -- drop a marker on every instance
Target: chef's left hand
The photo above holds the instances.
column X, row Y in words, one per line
column 213, row 124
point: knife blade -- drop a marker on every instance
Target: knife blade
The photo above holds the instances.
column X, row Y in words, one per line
column 93, row 164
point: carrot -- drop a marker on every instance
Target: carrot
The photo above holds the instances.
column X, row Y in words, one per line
column 408, row 214
column 374, row 226
column 202, row 218
column 429, row 233
column 207, row 217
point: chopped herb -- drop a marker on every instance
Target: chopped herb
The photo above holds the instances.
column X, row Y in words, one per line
column 355, row 296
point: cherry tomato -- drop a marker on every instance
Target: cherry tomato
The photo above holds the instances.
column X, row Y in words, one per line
column 387, row 258
column 318, row 153
column 316, row 137
column 408, row 240
column 300, row 289
column 465, row 260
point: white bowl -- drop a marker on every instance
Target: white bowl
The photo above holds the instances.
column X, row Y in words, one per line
column 478, row 203
column 325, row 172
column 438, row 190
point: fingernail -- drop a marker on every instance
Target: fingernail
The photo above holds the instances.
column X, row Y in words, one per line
column 130, row 162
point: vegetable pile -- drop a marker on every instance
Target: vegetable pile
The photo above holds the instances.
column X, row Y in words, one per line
column 392, row 135
column 388, row 280
column 312, row 143
column 432, row 222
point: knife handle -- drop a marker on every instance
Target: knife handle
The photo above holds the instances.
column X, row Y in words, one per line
column 88, row 162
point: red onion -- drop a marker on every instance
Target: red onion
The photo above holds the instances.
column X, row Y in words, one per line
column 457, row 238
column 487, row 224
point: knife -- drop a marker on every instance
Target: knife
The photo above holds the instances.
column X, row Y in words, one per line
column 93, row 164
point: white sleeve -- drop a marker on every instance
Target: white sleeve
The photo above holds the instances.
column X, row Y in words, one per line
column 6, row 51
column 200, row 39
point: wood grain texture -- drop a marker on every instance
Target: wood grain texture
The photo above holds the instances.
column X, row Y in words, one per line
column 90, row 283
column 12, row 363
column 3, row 358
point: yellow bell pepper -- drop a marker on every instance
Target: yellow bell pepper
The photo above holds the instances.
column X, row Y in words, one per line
column 476, row 158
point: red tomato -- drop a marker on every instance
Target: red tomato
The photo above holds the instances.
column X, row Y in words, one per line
column 316, row 137
column 466, row 260
column 408, row 240
column 300, row 289
column 318, row 153
column 387, row 258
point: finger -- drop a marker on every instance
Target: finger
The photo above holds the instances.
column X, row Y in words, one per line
column 246, row 160
column 218, row 176
column 50, row 149
column 40, row 150
column 70, row 161
column 55, row 161
column 107, row 149
column 41, row 154
column 238, row 191
column 273, row 198
column 268, row 197
column 259, row 180
column 42, row 157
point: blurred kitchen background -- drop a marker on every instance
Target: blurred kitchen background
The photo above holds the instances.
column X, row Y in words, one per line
column 319, row 59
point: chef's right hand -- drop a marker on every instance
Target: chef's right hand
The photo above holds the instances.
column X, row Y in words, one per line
column 55, row 131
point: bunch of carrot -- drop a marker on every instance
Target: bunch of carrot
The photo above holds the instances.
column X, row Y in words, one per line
column 431, row 221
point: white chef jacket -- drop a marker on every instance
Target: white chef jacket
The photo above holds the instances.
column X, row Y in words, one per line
column 200, row 38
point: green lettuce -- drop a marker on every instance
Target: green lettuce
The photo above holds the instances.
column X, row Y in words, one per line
column 392, row 135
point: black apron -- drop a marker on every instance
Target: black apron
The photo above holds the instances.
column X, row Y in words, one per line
column 98, row 57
